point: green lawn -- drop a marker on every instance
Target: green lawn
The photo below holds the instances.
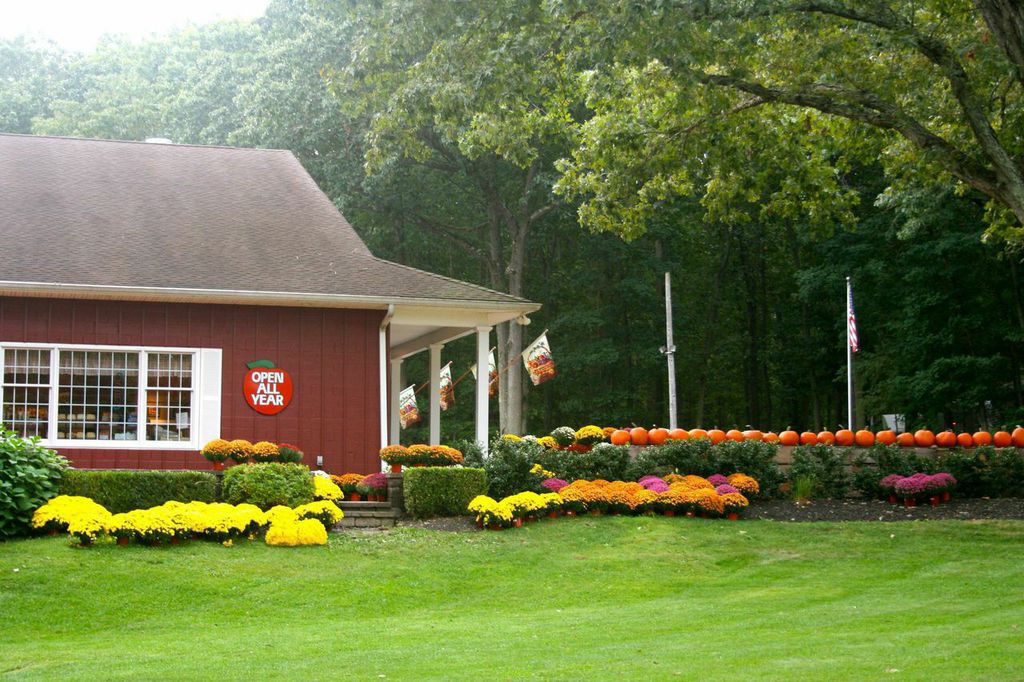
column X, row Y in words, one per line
column 606, row 598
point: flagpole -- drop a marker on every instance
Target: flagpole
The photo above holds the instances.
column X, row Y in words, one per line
column 669, row 350
column 849, row 361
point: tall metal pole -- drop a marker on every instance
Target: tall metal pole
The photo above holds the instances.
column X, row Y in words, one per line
column 849, row 362
column 670, row 350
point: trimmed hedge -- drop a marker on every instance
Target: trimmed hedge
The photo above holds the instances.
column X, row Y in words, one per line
column 605, row 461
column 442, row 491
column 123, row 491
column 268, row 485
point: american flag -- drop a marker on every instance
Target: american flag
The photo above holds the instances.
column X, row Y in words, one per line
column 851, row 319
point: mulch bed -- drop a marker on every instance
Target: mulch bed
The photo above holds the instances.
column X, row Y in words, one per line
column 818, row 510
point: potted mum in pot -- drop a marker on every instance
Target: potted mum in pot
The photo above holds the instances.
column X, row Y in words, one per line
column 217, row 451
column 374, row 487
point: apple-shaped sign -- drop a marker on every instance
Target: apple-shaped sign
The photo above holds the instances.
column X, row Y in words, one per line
column 268, row 389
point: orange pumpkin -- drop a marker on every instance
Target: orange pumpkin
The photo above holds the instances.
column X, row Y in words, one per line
column 657, row 436
column 864, row 438
column 734, row 434
column 639, row 436
column 844, row 437
column 753, row 434
column 698, row 433
column 946, row 439
column 678, row 434
column 965, row 440
column 887, row 437
column 982, row 438
column 827, row 438
column 716, row 436
column 905, row 440
column 771, row 437
column 808, row 438
column 620, row 437
column 1001, row 439
column 924, row 438
column 789, row 437
column 1017, row 437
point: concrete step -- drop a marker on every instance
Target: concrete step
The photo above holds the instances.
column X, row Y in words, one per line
column 368, row 518
column 356, row 506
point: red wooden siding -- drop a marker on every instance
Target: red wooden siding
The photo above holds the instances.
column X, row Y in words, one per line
column 332, row 355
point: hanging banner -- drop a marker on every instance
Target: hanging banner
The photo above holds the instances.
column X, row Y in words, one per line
column 492, row 372
column 537, row 358
column 408, row 413
column 447, row 387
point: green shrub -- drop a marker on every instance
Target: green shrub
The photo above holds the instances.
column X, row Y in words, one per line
column 508, row 467
column 123, row 491
column 822, row 464
column 1006, row 473
column 882, row 460
column 472, row 453
column 268, row 485
column 653, row 461
column 29, row 476
column 442, row 491
column 605, row 461
column 753, row 458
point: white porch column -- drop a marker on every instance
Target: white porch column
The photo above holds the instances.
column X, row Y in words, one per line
column 396, row 389
column 435, row 393
column 483, row 347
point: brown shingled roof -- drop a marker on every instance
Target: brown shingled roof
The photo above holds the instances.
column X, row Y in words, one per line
column 163, row 216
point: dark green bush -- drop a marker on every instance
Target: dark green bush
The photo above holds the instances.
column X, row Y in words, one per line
column 122, row 491
column 29, row 476
column 268, row 485
column 882, row 460
column 1006, row 473
column 653, row 461
column 749, row 457
column 824, row 466
column 472, row 453
column 605, row 461
column 508, row 467
column 442, row 491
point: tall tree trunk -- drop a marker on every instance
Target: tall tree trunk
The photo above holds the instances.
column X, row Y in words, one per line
column 714, row 299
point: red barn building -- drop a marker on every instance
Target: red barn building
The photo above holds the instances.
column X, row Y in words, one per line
column 140, row 280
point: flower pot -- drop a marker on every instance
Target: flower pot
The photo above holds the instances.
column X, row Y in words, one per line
column 553, row 515
column 690, row 514
column 52, row 533
column 570, row 512
column 595, row 512
column 494, row 526
column 517, row 523
column 123, row 542
column 934, row 500
column 669, row 512
column 892, row 499
column 355, row 497
column 909, row 502
column 218, row 466
column 396, row 468
column 175, row 540
column 733, row 516
column 947, row 496
column 479, row 523
column 530, row 519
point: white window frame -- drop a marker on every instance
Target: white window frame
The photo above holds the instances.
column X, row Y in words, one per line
column 206, row 399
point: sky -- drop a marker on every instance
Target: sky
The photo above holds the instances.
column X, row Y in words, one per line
column 78, row 24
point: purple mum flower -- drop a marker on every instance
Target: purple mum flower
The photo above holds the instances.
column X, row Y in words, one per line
column 718, row 479
column 725, row 488
column 553, row 484
column 656, row 485
column 377, row 481
column 889, row 482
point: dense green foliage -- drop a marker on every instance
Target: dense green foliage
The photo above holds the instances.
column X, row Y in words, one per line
column 442, row 491
column 474, row 139
column 607, row 462
column 701, row 458
column 981, row 472
column 268, row 485
column 824, row 468
column 123, row 491
column 29, row 476
column 531, row 603
column 508, row 466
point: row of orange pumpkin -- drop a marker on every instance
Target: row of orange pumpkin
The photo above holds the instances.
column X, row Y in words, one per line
column 922, row 438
